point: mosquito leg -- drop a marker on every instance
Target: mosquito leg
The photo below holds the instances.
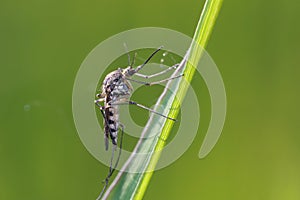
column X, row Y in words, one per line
column 102, row 192
column 97, row 101
column 102, row 109
column 144, row 107
column 110, row 172
column 119, row 155
column 155, row 82
column 112, row 169
column 151, row 110
column 106, row 144
column 159, row 73
column 165, row 80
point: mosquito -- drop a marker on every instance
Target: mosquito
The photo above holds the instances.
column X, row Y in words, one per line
column 116, row 91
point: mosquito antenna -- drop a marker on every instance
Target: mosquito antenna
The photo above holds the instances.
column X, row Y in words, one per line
column 148, row 59
column 128, row 54
column 133, row 60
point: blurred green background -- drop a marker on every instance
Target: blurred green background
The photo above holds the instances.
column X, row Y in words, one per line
column 255, row 45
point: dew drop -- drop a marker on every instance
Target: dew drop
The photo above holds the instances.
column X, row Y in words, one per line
column 27, row 107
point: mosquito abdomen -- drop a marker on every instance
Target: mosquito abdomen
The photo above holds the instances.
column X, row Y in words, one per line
column 112, row 124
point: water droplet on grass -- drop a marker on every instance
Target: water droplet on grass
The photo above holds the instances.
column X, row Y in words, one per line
column 27, row 107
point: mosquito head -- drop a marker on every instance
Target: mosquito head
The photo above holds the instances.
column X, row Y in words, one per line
column 129, row 71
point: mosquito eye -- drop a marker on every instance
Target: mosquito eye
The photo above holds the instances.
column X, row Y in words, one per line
column 98, row 95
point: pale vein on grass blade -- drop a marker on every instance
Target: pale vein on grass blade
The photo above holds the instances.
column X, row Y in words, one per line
column 133, row 185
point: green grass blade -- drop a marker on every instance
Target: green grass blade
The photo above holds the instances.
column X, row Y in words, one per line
column 133, row 185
